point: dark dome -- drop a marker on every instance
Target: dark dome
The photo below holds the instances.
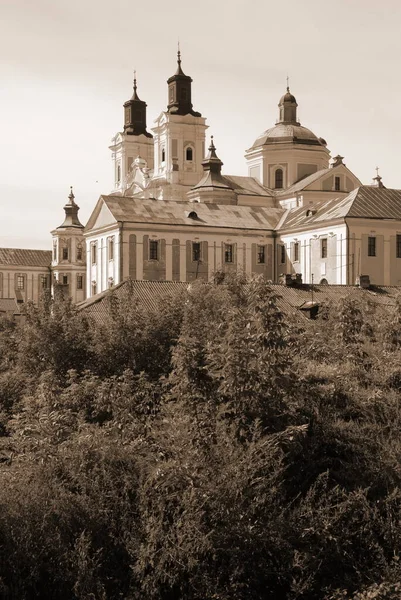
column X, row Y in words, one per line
column 288, row 97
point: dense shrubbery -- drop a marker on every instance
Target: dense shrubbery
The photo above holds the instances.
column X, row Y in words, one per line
column 210, row 449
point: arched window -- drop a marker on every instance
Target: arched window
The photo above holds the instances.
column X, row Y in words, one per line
column 163, row 155
column 278, row 179
column 189, row 153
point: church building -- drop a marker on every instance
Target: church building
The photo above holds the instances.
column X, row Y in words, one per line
column 175, row 215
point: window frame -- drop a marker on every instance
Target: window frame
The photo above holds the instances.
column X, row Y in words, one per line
column 196, row 252
column 323, row 247
column 372, row 249
column 80, row 282
column 44, row 282
column 20, row 280
column 283, row 256
column 64, row 253
column 94, row 253
column 191, row 150
column 110, row 248
column 398, row 245
column 261, row 254
column 79, row 252
column 337, row 183
column 228, row 254
column 154, row 251
column 296, row 252
column 279, row 178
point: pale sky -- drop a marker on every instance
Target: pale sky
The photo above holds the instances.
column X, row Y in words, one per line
column 66, row 68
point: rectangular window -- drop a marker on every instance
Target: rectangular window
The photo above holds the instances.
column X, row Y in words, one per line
column 261, row 256
column 55, row 251
column 93, row 254
column 196, row 251
column 283, row 255
column 43, row 282
column 20, row 282
column 371, row 246
column 398, row 246
column 65, row 253
column 295, row 256
column 323, row 247
column 111, row 248
column 79, row 253
column 228, row 253
column 337, row 184
column 80, row 282
column 153, row 250
column 65, row 279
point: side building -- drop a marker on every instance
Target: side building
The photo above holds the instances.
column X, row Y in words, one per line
column 24, row 274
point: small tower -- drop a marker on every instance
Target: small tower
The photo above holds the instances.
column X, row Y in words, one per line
column 179, row 92
column 134, row 140
column 213, row 187
column 288, row 109
column 69, row 256
column 179, row 134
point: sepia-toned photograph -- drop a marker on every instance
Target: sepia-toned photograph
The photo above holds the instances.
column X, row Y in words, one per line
column 200, row 300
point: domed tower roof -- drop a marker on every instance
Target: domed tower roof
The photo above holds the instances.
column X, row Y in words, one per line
column 71, row 213
column 288, row 129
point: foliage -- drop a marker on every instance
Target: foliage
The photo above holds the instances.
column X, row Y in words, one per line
column 212, row 448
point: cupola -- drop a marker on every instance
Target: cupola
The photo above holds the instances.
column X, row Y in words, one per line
column 179, row 92
column 288, row 109
column 71, row 213
column 135, row 115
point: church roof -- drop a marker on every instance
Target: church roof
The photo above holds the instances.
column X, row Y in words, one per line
column 20, row 257
column 284, row 133
column 248, row 186
column 164, row 212
column 290, row 299
column 365, row 202
column 303, row 183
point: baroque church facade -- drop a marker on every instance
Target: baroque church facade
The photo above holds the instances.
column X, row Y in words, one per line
column 174, row 215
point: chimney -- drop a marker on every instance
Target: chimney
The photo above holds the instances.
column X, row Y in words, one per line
column 363, row 281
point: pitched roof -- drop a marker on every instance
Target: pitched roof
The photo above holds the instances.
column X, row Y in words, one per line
column 164, row 212
column 9, row 305
column 303, row 183
column 25, row 258
column 289, row 298
column 248, row 186
column 148, row 293
column 365, row 202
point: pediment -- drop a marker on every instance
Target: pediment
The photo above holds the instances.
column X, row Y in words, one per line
column 100, row 217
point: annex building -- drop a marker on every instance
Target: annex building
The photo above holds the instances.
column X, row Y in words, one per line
column 175, row 215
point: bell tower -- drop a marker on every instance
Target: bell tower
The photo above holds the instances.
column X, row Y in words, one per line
column 179, row 143
column 133, row 141
column 69, row 255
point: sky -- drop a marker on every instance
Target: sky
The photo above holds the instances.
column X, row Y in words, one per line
column 66, row 68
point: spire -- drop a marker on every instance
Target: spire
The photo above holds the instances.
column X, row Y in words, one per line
column 288, row 108
column 212, row 162
column 71, row 212
column 135, row 114
column 179, row 92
